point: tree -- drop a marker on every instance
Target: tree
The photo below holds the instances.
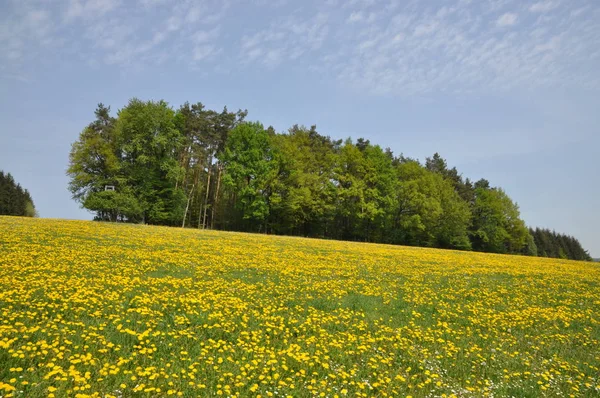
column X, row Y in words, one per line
column 14, row 199
column 357, row 197
column 224, row 123
column 530, row 248
column 134, row 156
column 497, row 226
column 148, row 142
column 95, row 166
column 303, row 196
column 204, row 133
column 192, row 124
column 429, row 212
column 464, row 188
column 552, row 244
column 114, row 205
column 248, row 160
column 202, row 168
column 94, row 158
column 380, row 185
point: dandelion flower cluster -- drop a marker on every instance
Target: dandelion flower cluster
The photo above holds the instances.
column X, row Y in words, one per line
column 103, row 310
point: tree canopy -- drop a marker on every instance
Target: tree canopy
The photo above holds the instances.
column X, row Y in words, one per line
column 14, row 199
column 201, row 168
column 551, row 244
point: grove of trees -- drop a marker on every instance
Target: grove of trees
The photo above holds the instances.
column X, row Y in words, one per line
column 14, row 199
column 552, row 244
column 195, row 167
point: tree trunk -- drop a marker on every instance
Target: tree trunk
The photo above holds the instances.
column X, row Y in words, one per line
column 207, row 191
column 200, row 209
column 187, row 206
column 183, row 159
column 212, row 218
column 200, row 201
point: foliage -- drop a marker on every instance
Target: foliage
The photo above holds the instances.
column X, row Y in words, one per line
column 304, row 194
column 430, row 212
column 552, row 244
column 249, row 161
column 114, row 206
column 497, row 226
column 530, row 248
column 14, row 199
column 107, row 310
column 94, row 158
column 201, row 168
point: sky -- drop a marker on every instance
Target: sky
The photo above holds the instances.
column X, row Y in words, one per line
column 504, row 90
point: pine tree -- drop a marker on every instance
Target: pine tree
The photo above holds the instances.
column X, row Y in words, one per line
column 14, row 199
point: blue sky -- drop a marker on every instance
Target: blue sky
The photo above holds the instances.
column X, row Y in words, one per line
column 506, row 90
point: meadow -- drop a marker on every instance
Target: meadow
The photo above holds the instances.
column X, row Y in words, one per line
column 105, row 310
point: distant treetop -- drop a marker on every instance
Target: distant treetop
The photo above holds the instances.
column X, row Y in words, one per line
column 14, row 199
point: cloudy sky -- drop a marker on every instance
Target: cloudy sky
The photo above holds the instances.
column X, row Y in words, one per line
column 506, row 90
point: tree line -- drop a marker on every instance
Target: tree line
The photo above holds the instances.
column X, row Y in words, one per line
column 14, row 199
column 556, row 245
column 200, row 168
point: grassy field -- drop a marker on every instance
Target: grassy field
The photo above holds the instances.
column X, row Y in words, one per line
column 108, row 310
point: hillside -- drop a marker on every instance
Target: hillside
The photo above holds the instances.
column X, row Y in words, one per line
column 108, row 309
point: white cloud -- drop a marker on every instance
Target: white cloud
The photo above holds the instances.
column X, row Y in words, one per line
column 507, row 19
column 389, row 47
column 184, row 34
column 578, row 11
column 274, row 57
column 152, row 3
column 458, row 50
column 355, row 17
column 194, row 14
column 23, row 31
column 173, row 23
column 285, row 39
column 203, row 36
column 90, row 8
column 204, row 52
column 543, row 6
column 551, row 45
column 425, row 28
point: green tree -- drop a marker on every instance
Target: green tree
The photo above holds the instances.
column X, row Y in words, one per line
column 250, row 170
column 366, row 183
column 94, row 158
column 497, row 226
column 380, row 185
column 148, row 142
column 357, row 197
column 95, row 166
column 114, row 205
column 199, row 167
column 14, row 199
column 464, row 188
column 556, row 245
column 303, row 196
column 429, row 212
column 204, row 133
column 530, row 248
